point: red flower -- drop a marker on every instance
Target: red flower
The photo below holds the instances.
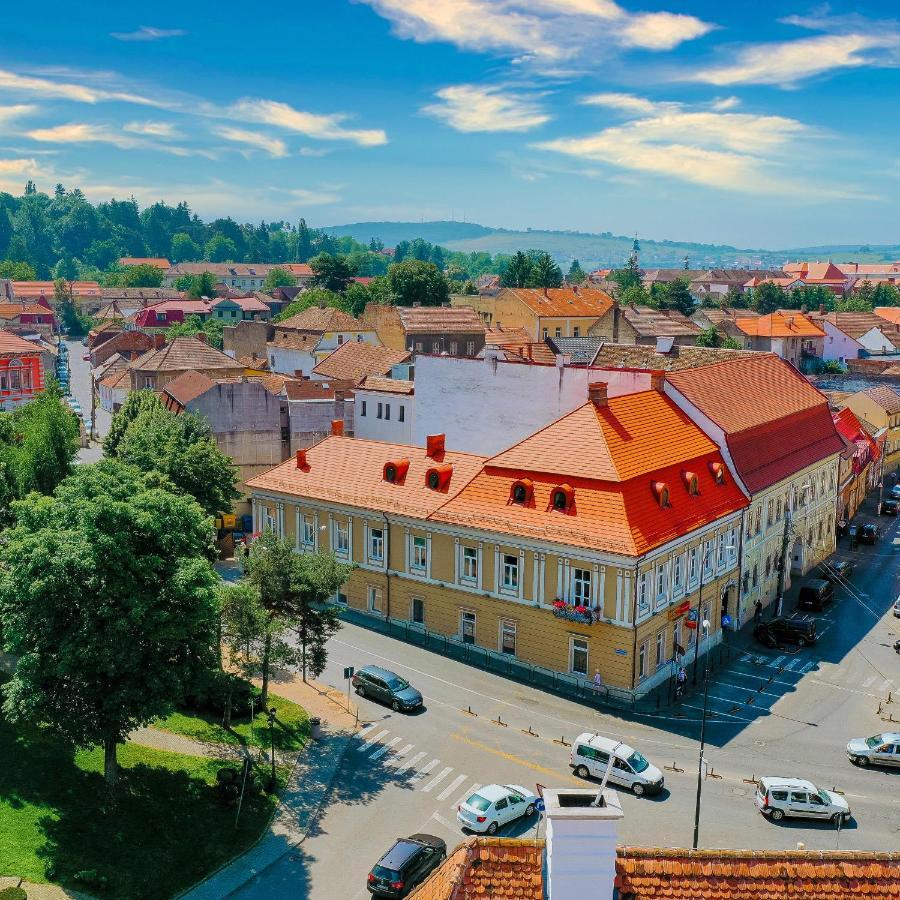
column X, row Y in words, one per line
column 559, row 604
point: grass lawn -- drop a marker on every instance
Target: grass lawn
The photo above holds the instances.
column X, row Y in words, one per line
column 291, row 726
column 166, row 829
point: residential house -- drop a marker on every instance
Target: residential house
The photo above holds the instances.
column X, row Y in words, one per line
column 232, row 309
column 157, row 367
column 114, row 385
column 818, row 274
column 580, row 549
column 383, row 409
column 791, row 335
column 488, row 284
column 129, row 300
column 157, row 262
column 541, row 312
column 881, row 406
column 889, row 314
column 354, row 361
column 667, row 276
column 163, row 315
column 776, row 432
column 645, row 325
column 717, row 316
column 851, row 334
column 36, row 317
column 451, row 330
column 128, row 344
column 86, row 295
column 314, row 407
column 858, row 461
column 243, row 276
column 716, row 283
column 301, row 342
column 499, row 336
column 576, row 351
column 21, row 371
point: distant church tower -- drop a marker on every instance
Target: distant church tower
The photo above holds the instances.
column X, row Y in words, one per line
column 686, row 262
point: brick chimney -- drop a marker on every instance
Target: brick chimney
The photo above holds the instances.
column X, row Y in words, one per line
column 337, row 427
column 581, row 843
column 201, row 336
column 159, row 341
column 301, row 460
column 598, row 393
column 658, row 381
column 434, row 445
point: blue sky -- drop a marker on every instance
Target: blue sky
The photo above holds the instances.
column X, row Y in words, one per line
column 760, row 125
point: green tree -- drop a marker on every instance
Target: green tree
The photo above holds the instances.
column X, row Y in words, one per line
column 885, row 295
column 135, row 403
column 107, row 597
column 853, row 304
column 767, row 298
column 182, row 448
column 414, row 281
column 16, row 271
column 516, row 273
column 735, row 298
column 576, row 273
column 66, row 270
column 712, row 337
column 202, row 285
column 220, row 249
column 629, row 277
column 214, row 329
column 183, row 249
column 144, row 275
column 331, row 272
column 309, row 298
column 545, row 273
column 676, row 294
column 635, row 295
column 355, row 299
column 103, row 254
column 278, row 277
column 304, row 242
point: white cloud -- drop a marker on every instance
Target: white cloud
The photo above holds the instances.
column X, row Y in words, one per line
column 627, row 103
column 147, row 33
column 470, row 107
column 791, row 61
column 730, row 151
column 16, row 111
column 324, row 127
column 13, row 171
column 163, row 130
column 81, row 93
column 725, row 103
column 271, row 145
column 313, row 152
column 89, row 133
column 549, row 30
column 313, row 198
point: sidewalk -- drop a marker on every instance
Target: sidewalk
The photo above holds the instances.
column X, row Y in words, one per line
column 305, row 794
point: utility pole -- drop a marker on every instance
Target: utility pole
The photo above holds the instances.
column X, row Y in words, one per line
column 705, row 626
column 703, row 558
column 782, row 559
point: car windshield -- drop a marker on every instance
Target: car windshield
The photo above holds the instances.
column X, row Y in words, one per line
column 874, row 741
column 637, row 762
column 386, row 874
column 476, row 801
column 398, row 684
column 823, row 796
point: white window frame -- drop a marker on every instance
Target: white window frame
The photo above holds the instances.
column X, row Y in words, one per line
column 469, row 573
column 582, row 586
column 373, row 542
column 510, row 585
column 341, row 538
column 573, row 641
column 642, row 661
column 468, row 615
column 709, row 550
column 661, row 649
column 374, row 599
column 507, row 627
column 662, row 584
column 693, row 566
column 677, row 576
column 643, row 595
column 418, row 561
column 732, row 547
column 308, row 526
column 270, row 522
column 720, row 552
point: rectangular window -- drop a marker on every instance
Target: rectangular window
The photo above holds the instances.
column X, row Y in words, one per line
column 435, row 347
column 642, row 661
column 470, row 348
column 732, row 546
column 374, row 599
column 581, row 586
column 454, row 348
column 660, row 649
column 340, row 340
column 723, row 540
column 467, row 626
column 692, row 565
column 677, row 585
column 309, row 531
column 341, row 598
column 419, row 346
column 470, row 565
column 508, row 637
column 379, row 413
column 662, row 586
column 148, row 381
column 576, row 332
column 419, row 554
column 578, row 656
column 401, row 416
column 376, row 545
column 418, row 611
column 708, row 553
column 545, row 332
column 643, row 596
column 559, row 332
column 510, row 572
column 387, row 412
column 341, row 538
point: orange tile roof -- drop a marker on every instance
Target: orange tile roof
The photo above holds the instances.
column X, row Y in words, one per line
column 891, row 313
column 856, row 324
column 484, row 867
column 610, row 456
column 563, row 302
column 355, row 360
column 11, row 343
column 440, row 319
column 499, row 336
column 386, row 385
column 295, row 340
column 45, row 288
column 11, row 310
column 650, row 322
column 322, row 319
column 887, row 398
column 350, row 471
column 184, row 353
column 779, row 325
column 157, row 261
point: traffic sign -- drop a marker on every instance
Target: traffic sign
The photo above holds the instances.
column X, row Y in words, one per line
column 348, row 671
column 539, row 805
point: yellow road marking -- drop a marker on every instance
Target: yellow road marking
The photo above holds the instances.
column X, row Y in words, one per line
column 511, row 757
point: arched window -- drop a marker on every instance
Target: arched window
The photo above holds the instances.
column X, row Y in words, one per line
column 691, row 483
column 661, row 492
column 522, row 491
column 562, row 498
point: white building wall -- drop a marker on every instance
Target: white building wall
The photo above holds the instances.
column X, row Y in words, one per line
column 875, row 342
column 331, row 340
column 285, row 361
column 369, row 425
column 838, row 345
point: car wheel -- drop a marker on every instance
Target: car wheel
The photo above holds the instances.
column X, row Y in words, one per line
column 529, row 811
column 837, row 818
column 777, row 815
column 637, row 789
column 801, row 641
column 492, row 828
column 360, row 690
column 862, row 761
column 582, row 772
column 395, row 706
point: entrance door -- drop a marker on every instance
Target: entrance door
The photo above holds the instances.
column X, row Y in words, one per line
column 467, row 626
column 797, row 558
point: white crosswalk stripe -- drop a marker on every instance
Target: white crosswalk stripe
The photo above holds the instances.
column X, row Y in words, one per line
column 444, row 794
column 408, row 764
column 886, row 684
column 870, row 681
column 364, row 729
column 437, row 779
column 384, row 748
column 807, row 667
column 791, row 665
column 397, row 758
column 425, row 770
column 365, row 746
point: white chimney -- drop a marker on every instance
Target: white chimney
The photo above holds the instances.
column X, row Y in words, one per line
column 581, row 844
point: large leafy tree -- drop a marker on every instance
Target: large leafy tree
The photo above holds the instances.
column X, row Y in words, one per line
column 516, row 273
column 184, row 248
column 135, row 403
column 768, row 297
column 332, row 273
column 193, row 325
column 677, row 295
column 576, row 273
column 545, row 273
column 278, row 277
column 107, row 597
column 415, row 281
column 144, row 275
column 220, row 249
column 712, row 337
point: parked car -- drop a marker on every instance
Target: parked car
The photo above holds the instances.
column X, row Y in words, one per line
column 868, row 533
column 890, row 507
column 778, row 797
column 386, row 687
column 799, row 630
column 815, row 594
column 590, row 755
column 897, row 608
column 86, row 357
column 878, row 750
column 493, row 805
column 407, row 864
column 895, row 492
column 837, row 570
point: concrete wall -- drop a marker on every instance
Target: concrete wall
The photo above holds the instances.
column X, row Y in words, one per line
column 247, row 338
column 838, row 345
column 387, row 426
column 310, row 420
column 287, row 361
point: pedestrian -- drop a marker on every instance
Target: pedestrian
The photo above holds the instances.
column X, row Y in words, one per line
column 598, row 680
column 757, row 610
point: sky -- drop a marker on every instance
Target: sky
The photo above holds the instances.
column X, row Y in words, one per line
column 766, row 124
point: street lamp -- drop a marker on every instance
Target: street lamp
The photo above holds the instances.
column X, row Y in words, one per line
column 271, row 715
column 705, row 627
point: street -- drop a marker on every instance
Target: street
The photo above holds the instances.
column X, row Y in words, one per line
column 771, row 712
column 80, row 382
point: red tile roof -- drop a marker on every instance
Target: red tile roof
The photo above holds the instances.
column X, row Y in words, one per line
column 322, row 319
column 10, row 343
column 386, row 385
column 45, row 288
column 355, row 360
column 779, row 325
column 188, row 386
column 775, row 422
column 563, row 302
column 890, row 313
column 434, row 319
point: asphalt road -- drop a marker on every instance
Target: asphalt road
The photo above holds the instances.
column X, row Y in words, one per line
column 771, row 713
column 80, row 382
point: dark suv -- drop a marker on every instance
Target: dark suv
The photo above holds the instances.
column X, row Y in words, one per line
column 386, row 687
column 407, row 864
column 799, row 631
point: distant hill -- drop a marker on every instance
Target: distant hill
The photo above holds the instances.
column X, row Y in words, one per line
column 602, row 249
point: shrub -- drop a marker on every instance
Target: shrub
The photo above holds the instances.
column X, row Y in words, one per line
column 13, row 893
column 209, row 693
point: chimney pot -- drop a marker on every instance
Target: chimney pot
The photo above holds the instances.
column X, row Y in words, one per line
column 434, row 445
column 598, row 393
column 337, row 427
column 301, row 460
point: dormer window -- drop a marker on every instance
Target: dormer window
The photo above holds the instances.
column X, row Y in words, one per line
column 395, row 470
column 661, row 492
column 718, row 472
column 438, row 477
column 562, row 498
column 522, row 492
column 691, row 483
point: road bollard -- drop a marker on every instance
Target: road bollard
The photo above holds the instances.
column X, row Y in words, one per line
column 562, row 741
column 499, row 722
column 673, row 767
column 469, row 712
column 529, row 732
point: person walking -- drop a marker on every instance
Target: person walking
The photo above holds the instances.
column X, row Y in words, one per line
column 757, row 610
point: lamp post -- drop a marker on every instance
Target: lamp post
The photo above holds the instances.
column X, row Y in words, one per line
column 705, row 627
column 271, row 715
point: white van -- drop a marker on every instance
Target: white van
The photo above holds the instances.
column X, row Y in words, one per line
column 777, row 797
column 590, row 757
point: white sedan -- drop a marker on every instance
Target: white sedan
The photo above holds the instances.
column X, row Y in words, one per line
column 493, row 805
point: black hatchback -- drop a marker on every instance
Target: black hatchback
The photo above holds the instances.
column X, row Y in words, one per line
column 407, row 864
column 800, row 631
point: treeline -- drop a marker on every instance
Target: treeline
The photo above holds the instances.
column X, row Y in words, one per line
column 63, row 235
